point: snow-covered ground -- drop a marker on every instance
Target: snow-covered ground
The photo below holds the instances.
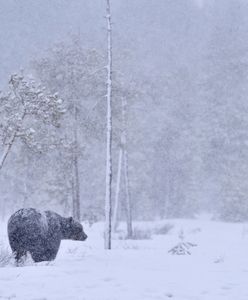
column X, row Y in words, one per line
column 217, row 268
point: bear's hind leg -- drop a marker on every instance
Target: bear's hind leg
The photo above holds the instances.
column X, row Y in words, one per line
column 20, row 257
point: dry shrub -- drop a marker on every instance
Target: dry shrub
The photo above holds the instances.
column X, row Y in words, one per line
column 164, row 229
column 6, row 257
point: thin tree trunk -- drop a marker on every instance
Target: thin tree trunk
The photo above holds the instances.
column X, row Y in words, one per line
column 11, row 141
column 126, row 173
column 7, row 149
column 77, row 191
column 73, row 193
column 67, row 203
column 117, row 191
column 25, row 186
column 107, row 237
column 25, row 197
column 127, row 198
column 76, row 194
column 167, row 194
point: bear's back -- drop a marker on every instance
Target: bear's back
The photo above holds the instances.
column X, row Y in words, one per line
column 28, row 221
column 27, row 230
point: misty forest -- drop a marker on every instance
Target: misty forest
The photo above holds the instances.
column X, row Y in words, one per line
column 124, row 149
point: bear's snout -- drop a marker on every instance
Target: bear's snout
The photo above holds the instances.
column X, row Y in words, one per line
column 83, row 236
column 80, row 237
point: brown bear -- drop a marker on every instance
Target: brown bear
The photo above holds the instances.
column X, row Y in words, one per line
column 40, row 233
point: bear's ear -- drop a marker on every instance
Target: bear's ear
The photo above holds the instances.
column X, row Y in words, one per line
column 69, row 222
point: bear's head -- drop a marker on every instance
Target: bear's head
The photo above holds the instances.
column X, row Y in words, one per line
column 74, row 230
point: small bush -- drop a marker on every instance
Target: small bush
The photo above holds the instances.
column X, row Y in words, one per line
column 119, row 235
column 164, row 229
column 141, row 234
column 138, row 234
column 182, row 248
column 6, row 258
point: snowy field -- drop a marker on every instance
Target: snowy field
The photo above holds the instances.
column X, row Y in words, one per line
column 139, row 269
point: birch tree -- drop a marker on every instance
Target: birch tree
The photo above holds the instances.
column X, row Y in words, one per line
column 76, row 196
column 79, row 74
column 108, row 204
column 123, row 161
column 126, row 173
column 117, row 189
column 21, row 108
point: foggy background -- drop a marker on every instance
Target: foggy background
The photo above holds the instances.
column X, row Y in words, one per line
column 183, row 67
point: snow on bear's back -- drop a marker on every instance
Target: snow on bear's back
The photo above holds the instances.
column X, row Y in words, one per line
column 43, row 220
column 29, row 217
